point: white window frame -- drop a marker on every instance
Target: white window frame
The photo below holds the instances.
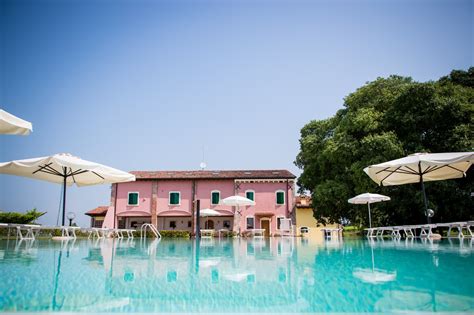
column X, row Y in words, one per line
column 138, row 198
column 284, row 197
column 169, row 198
column 250, row 216
column 216, row 191
column 254, row 195
column 281, row 217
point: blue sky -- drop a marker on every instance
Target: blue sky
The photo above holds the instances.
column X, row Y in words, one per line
column 145, row 85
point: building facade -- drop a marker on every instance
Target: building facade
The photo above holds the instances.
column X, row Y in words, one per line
column 305, row 222
column 168, row 200
column 97, row 216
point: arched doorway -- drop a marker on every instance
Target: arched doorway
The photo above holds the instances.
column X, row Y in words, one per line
column 209, row 224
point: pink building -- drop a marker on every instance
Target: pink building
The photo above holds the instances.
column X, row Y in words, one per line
column 167, row 199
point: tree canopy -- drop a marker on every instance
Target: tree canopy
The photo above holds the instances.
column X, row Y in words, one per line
column 387, row 119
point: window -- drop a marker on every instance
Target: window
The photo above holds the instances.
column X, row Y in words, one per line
column 97, row 223
column 226, row 224
column 189, row 223
column 215, row 197
column 173, row 224
column 121, row 223
column 250, row 222
column 250, row 194
column 279, row 222
column 280, row 197
column 209, row 225
column 175, row 198
column 133, row 199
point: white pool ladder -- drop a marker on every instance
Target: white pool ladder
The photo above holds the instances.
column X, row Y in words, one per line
column 151, row 227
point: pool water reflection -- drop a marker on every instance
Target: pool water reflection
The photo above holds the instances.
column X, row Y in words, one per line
column 237, row 275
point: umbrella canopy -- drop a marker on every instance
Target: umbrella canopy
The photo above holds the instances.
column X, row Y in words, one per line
column 12, row 125
column 368, row 198
column 209, row 213
column 67, row 170
column 421, row 167
column 237, row 201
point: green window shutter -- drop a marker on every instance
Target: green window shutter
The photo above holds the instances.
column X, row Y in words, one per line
column 132, row 198
column 215, row 196
column 174, row 198
column 250, row 195
column 280, row 196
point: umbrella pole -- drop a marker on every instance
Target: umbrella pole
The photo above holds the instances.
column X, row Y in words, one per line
column 198, row 220
column 64, row 200
column 424, row 193
column 425, row 200
column 370, row 219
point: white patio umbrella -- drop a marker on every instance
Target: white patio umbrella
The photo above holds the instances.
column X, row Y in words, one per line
column 237, row 201
column 67, row 170
column 12, row 125
column 208, row 213
column 368, row 198
column 420, row 168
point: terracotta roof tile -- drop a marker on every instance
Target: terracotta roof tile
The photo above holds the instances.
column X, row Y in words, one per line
column 303, row 201
column 240, row 174
column 101, row 210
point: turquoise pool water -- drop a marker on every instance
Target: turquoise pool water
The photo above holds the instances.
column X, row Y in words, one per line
column 273, row 275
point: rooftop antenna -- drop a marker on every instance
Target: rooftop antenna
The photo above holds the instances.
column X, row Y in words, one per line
column 203, row 164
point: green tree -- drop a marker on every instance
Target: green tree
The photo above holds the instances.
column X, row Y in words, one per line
column 383, row 120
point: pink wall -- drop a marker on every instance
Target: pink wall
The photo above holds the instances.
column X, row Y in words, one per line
column 265, row 202
column 164, row 188
column 204, row 189
column 144, row 200
column 265, row 198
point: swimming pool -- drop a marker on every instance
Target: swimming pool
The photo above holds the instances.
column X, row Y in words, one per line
column 236, row 275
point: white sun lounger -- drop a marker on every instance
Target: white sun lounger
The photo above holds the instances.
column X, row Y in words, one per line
column 370, row 232
column 98, row 232
column 396, row 232
column 383, row 229
column 119, row 233
column 470, row 224
column 207, row 233
column 460, row 226
column 30, row 230
column 257, row 233
column 329, row 232
column 69, row 231
column 409, row 231
column 23, row 231
column 426, row 230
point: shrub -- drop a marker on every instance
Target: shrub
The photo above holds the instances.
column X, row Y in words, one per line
column 175, row 234
column 20, row 218
column 228, row 234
